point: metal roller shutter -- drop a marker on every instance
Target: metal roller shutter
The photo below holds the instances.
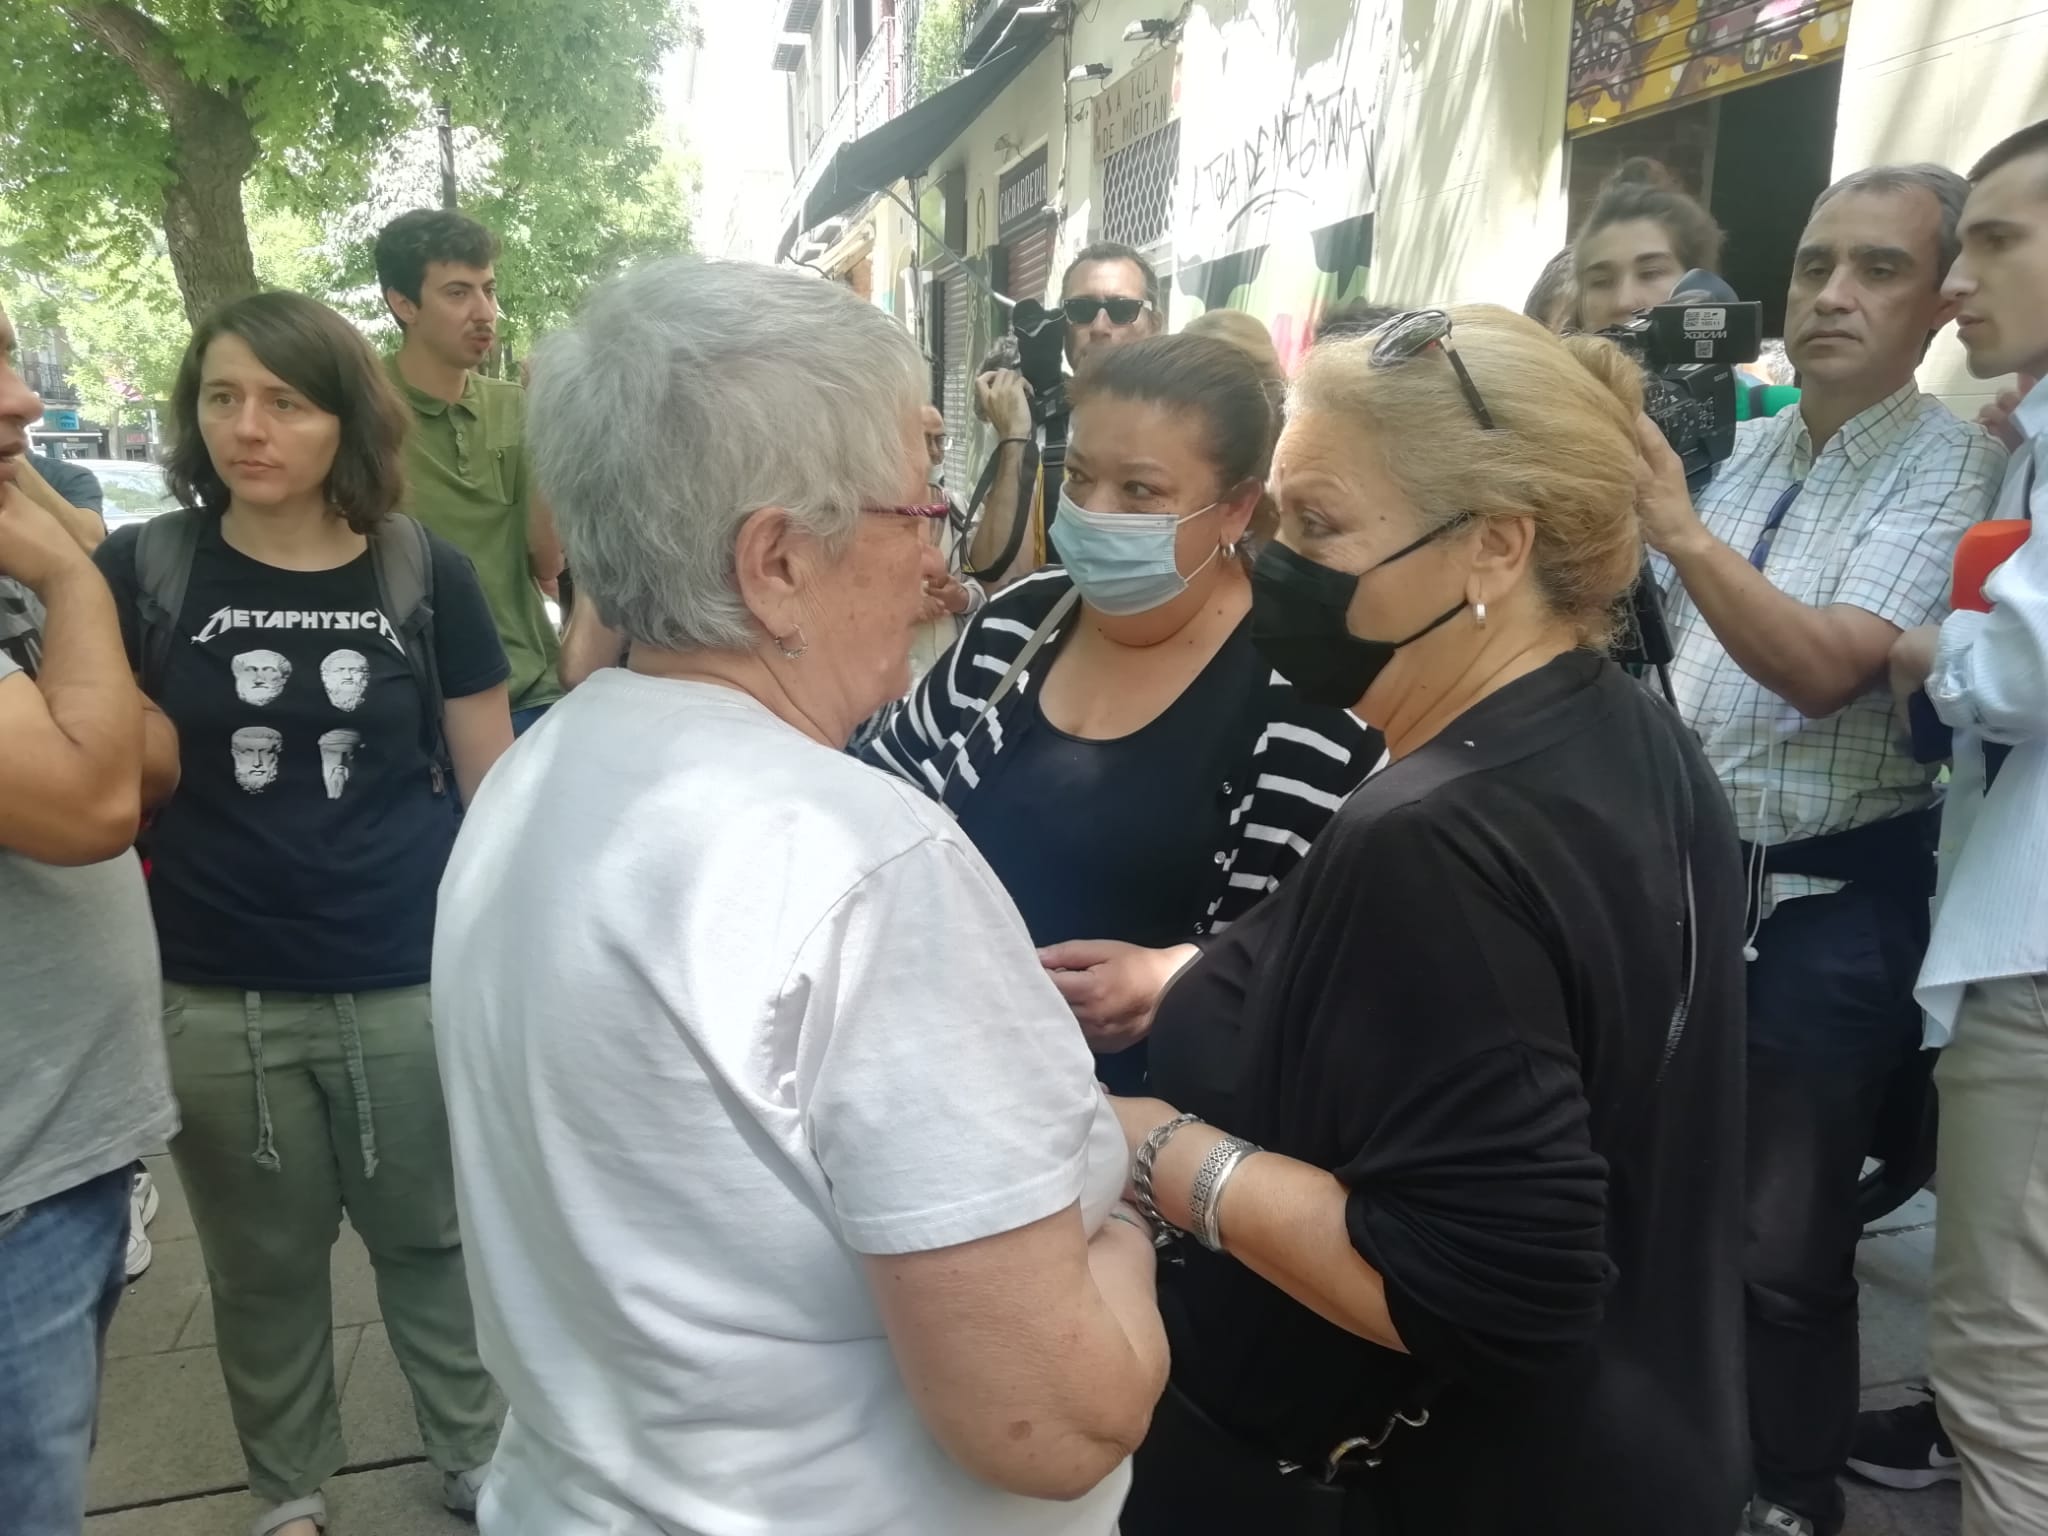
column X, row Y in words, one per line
column 1031, row 261
column 955, row 336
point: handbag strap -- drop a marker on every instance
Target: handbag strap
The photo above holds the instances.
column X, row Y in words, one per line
column 1047, row 626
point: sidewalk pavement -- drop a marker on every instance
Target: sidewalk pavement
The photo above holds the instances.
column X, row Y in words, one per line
column 168, row 1465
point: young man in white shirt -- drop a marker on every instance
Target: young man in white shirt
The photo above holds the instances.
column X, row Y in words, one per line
column 1828, row 533
column 1985, row 980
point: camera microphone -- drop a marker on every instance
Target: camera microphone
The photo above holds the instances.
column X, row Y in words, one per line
column 1699, row 286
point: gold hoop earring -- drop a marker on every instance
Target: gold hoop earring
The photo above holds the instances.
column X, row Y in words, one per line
column 802, row 645
column 1479, row 613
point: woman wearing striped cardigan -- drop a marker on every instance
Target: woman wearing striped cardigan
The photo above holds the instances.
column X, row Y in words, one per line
column 1104, row 730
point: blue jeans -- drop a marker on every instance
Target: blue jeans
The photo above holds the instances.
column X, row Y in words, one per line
column 524, row 720
column 61, row 1273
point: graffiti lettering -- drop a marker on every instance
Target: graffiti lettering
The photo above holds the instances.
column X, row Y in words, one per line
column 1310, row 138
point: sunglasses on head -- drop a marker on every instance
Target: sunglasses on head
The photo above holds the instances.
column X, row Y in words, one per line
column 1083, row 308
column 1408, row 336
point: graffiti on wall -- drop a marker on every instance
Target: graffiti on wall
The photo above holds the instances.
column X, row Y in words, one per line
column 1314, row 138
column 1289, row 284
column 1631, row 55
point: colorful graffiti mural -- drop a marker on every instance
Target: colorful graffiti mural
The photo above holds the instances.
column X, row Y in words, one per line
column 1288, row 284
column 1630, row 56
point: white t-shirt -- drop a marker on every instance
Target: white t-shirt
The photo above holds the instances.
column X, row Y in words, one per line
column 719, row 1010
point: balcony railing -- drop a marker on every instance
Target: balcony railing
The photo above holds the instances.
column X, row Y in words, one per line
column 876, row 95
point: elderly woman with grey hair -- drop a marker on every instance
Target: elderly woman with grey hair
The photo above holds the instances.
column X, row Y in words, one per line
column 790, row 1201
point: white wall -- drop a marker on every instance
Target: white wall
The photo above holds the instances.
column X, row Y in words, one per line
column 1472, row 200
column 1941, row 80
column 1466, row 104
column 1026, row 115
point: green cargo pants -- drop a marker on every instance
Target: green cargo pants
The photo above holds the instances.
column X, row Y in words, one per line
column 297, row 1108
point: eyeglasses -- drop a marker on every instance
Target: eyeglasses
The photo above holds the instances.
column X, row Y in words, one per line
column 929, row 517
column 1082, row 309
column 1409, row 335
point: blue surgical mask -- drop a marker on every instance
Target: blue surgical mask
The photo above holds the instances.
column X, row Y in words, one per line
column 1123, row 562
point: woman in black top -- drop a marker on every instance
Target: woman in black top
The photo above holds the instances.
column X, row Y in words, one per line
column 1145, row 779
column 327, row 663
column 1489, row 1034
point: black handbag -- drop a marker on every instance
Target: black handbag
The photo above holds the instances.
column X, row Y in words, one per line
column 1192, row 1477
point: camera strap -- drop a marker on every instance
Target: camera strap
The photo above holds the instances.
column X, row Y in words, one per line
column 1027, row 480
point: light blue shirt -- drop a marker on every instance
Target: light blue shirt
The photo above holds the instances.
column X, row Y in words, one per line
column 1990, row 683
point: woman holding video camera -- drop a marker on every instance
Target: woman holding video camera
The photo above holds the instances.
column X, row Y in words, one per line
column 1104, row 730
column 1645, row 232
column 1473, row 1266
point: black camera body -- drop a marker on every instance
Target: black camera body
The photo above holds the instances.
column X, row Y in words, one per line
column 1688, row 350
column 1036, row 348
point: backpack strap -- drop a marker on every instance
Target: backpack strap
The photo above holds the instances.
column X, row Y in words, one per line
column 164, row 551
column 403, row 560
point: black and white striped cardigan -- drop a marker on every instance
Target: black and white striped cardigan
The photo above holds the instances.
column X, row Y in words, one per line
column 1300, row 760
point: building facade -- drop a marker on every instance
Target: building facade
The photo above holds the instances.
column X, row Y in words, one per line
column 1283, row 156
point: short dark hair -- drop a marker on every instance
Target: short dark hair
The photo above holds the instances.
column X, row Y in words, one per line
column 1107, row 251
column 1354, row 317
column 1557, row 284
column 410, row 242
column 324, row 358
column 1642, row 188
column 2030, row 140
column 1207, row 375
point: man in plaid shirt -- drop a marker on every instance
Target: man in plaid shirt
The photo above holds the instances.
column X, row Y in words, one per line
column 1828, row 533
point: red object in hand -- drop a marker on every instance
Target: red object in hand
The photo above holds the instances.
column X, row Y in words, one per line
column 1985, row 547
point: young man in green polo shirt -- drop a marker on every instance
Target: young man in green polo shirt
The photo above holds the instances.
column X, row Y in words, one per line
column 467, row 473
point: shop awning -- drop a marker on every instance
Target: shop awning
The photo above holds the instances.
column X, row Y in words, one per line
column 908, row 144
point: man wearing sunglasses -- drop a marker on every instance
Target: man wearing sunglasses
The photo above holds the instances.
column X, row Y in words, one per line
column 1828, row 532
column 1109, row 296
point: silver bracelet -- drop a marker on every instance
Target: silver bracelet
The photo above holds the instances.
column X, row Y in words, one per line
column 1205, row 1199
column 1141, row 1177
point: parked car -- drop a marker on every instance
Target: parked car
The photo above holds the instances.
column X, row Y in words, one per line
column 135, row 489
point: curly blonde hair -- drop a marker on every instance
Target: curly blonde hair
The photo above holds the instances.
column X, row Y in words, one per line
column 1563, row 452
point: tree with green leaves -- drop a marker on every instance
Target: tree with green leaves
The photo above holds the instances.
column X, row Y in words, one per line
column 127, row 129
column 123, row 321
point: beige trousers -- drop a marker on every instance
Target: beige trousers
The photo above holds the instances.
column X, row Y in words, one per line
column 1990, row 1326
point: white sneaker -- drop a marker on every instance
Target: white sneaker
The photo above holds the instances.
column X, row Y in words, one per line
column 143, row 1201
column 459, row 1490
column 145, row 1197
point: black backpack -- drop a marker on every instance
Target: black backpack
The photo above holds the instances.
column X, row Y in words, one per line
column 399, row 554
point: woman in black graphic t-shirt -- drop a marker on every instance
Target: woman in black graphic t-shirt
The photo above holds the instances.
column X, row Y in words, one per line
column 294, row 875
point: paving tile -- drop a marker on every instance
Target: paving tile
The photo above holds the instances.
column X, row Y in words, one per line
column 174, row 1212
column 165, row 1431
column 157, row 1307
column 1896, row 1271
column 390, row 1501
column 355, row 1292
column 1916, row 1212
column 1882, row 1512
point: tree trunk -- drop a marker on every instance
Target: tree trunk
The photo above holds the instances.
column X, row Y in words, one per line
column 205, row 226
column 213, row 146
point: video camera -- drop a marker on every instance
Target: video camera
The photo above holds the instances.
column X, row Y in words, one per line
column 1688, row 348
column 1036, row 348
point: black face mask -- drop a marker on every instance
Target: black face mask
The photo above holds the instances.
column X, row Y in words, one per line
column 1299, row 624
